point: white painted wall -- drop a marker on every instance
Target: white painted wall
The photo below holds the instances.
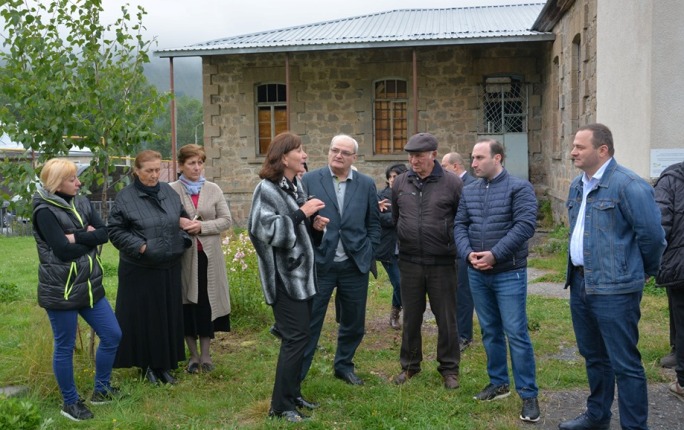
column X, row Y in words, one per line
column 623, row 70
column 640, row 84
column 667, row 59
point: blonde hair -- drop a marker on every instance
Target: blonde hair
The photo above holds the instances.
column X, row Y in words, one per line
column 56, row 171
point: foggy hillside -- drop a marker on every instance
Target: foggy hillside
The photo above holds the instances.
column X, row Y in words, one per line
column 187, row 75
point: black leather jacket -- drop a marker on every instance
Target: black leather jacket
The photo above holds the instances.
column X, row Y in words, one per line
column 137, row 218
column 424, row 216
column 669, row 192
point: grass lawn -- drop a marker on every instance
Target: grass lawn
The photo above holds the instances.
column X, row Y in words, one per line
column 237, row 393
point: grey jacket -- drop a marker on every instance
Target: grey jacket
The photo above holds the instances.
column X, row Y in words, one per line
column 284, row 249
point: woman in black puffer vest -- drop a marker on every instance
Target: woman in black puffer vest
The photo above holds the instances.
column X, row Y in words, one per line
column 67, row 231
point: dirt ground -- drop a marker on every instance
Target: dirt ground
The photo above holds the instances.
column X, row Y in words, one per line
column 666, row 412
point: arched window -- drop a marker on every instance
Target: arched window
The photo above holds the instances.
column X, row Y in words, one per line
column 390, row 115
column 271, row 113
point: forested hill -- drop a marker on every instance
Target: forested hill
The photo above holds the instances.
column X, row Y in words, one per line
column 187, row 74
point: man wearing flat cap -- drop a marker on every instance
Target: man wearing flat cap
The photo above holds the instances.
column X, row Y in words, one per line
column 424, row 204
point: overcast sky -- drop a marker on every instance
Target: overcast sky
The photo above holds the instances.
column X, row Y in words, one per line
column 176, row 23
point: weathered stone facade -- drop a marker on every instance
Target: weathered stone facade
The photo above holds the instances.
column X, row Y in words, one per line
column 569, row 94
column 331, row 92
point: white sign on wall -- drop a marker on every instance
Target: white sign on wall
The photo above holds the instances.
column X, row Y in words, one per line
column 662, row 158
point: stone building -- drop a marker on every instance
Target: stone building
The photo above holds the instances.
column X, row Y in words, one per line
column 527, row 75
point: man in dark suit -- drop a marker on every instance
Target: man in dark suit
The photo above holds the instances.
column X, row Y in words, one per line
column 343, row 260
column 453, row 162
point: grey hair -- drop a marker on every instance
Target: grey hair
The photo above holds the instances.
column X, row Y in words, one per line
column 347, row 137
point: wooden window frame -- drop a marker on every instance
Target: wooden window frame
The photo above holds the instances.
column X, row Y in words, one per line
column 390, row 116
column 271, row 113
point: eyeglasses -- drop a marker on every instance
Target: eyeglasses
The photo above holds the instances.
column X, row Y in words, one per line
column 336, row 151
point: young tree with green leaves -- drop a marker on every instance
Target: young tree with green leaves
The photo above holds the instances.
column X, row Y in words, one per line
column 68, row 80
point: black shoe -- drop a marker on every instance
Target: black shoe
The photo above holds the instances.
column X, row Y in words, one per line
column 301, row 402
column 583, row 422
column 530, row 410
column 165, row 377
column 464, row 343
column 289, row 416
column 77, row 411
column 669, row 361
column 349, row 378
column 151, row 376
column 493, row 392
column 104, row 397
column 275, row 332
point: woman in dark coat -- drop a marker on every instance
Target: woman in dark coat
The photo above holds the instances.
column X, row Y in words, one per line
column 68, row 231
column 145, row 226
column 282, row 224
column 387, row 251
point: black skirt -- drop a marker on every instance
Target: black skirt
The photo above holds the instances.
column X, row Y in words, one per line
column 197, row 317
column 149, row 308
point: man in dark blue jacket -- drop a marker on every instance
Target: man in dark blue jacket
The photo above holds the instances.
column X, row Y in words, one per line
column 496, row 217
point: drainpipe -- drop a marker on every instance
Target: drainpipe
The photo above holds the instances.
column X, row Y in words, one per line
column 415, row 92
column 172, row 176
column 287, row 88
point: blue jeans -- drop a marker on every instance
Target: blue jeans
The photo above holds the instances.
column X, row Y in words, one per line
column 101, row 318
column 607, row 332
column 392, row 269
column 352, row 292
column 501, row 305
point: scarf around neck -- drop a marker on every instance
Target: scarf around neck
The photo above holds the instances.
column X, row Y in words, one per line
column 191, row 187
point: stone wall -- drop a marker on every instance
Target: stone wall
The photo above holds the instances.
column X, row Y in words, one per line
column 569, row 99
column 331, row 93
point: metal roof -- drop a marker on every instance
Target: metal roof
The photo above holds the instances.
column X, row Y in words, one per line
column 403, row 27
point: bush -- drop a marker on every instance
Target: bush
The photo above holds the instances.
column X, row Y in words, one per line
column 248, row 307
column 9, row 292
column 18, row 414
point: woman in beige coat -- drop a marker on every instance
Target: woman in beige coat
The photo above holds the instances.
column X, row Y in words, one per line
column 206, row 299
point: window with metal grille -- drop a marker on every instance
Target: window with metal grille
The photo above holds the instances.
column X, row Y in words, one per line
column 271, row 113
column 390, row 116
column 504, row 105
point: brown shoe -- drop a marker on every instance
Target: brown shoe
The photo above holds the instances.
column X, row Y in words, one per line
column 404, row 376
column 394, row 318
column 451, row 382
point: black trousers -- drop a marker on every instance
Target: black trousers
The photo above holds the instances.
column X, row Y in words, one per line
column 292, row 317
column 439, row 284
column 676, row 296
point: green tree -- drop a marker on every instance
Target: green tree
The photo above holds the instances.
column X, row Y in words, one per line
column 67, row 79
column 188, row 121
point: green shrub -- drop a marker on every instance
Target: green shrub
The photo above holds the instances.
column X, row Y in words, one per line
column 248, row 307
column 18, row 414
column 544, row 213
column 9, row 292
column 651, row 289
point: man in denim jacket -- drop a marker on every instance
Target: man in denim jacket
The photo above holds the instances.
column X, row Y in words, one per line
column 616, row 242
